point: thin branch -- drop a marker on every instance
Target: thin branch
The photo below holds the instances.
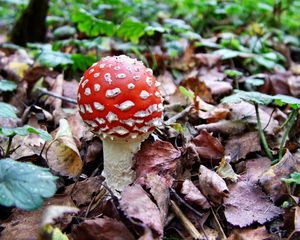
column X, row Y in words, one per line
column 188, row 225
column 66, row 99
column 179, row 115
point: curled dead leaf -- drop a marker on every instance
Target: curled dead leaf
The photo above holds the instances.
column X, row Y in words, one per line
column 62, row 154
column 271, row 179
column 212, row 185
column 193, row 195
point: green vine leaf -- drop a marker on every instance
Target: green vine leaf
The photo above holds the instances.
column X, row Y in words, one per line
column 7, row 110
column 131, row 29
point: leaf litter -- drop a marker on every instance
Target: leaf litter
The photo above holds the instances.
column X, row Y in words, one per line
column 207, row 159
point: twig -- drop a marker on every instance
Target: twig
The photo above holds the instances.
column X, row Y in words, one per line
column 179, row 199
column 188, row 225
column 261, row 134
column 179, row 115
column 218, row 224
column 66, row 99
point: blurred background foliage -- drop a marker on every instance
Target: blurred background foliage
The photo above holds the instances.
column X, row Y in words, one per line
column 81, row 30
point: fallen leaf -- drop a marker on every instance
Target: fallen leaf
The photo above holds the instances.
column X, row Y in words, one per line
column 70, row 91
column 294, row 85
column 226, row 127
column 56, row 88
column 251, row 234
column 208, row 147
column 136, row 204
column 207, row 59
column 226, row 171
column 218, row 113
column 62, row 154
column 94, row 150
column 248, row 204
column 24, row 225
column 297, row 219
column 238, row 146
column 101, row 228
column 158, row 157
column 159, row 189
column 82, row 192
column 53, row 212
column 167, row 86
column 271, row 179
column 212, row 185
column 193, row 195
column 246, row 112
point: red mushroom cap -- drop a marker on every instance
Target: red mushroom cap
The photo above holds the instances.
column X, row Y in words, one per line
column 118, row 97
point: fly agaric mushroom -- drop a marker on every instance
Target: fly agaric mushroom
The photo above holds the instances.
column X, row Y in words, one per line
column 118, row 98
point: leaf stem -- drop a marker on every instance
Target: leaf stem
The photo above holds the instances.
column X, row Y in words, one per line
column 10, row 138
column 289, row 124
column 261, row 134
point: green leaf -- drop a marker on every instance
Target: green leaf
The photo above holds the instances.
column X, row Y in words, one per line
column 51, row 58
column 7, row 110
column 64, row 31
column 82, row 62
column 24, row 131
column 92, row 26
column 228, row 54
column 233, row 73
column 6, row 85
column 295, row 178
column 24, row 185
column 281, row 100
column 254, row 97
column 186, row 92
column 131, row 29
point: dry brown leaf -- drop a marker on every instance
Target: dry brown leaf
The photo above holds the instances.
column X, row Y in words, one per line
column 94, row 150
column 136, row 204
column 238, row 146
column 246, row 112
column 158, row 157
column 56, row 88
column 226, row 171
column 294, row 85
column 24, row 225
column 101, row 228
column 83, row 192
column 217, row 114
column 193, row 195
column 256, row 167
column 208, row 147
column 207, row 59
column 271, row 179
column 62, row 154
column 251, row 234
column 167, row 86
column 159, row 189
column 226, row 127
column 276, row 83
column 70, row 91
column 212, row 185
column 248, row 204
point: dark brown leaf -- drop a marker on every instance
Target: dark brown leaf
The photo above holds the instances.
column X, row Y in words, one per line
column 101, row 228
column 208, row 147
column 248, row 204
column 157, row 157
column 251, row 234
column 271, row 179
column 238, row 146
column 136, row 204
column 83, row 192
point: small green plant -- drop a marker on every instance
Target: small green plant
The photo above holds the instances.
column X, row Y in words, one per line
column 257, row 99
column 24, row 185
column 22, row 131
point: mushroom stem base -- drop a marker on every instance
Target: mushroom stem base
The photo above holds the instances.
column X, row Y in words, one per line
column 118, row 162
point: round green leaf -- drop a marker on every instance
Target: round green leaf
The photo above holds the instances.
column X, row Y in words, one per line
column 24, row 185
column 7, row 110
column 6, row 85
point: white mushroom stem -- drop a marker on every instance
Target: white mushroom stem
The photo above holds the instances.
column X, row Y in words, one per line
column 118, row 163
